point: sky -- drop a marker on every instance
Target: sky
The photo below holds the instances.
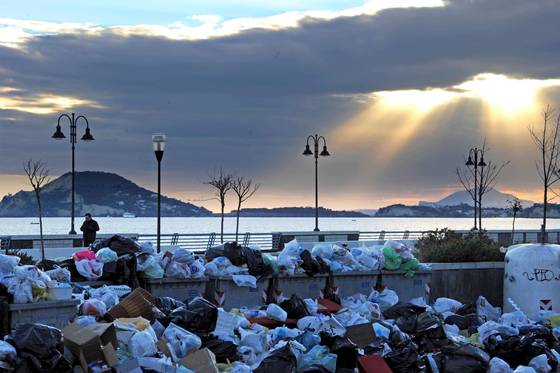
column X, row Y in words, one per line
column 400, row 89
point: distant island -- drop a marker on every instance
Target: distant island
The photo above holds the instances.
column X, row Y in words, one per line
column 101, row 193
column 295, row 212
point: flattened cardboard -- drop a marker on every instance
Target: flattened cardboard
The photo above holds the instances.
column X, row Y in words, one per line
column 361, row 335
column 373, row 364
column 201, row 361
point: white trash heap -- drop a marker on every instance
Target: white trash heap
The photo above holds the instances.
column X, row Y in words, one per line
column 293, row 335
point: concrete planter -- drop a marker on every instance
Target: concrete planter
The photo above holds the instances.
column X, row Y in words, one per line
column 466, row 281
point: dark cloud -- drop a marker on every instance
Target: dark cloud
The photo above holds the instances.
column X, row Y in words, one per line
column 247, row 101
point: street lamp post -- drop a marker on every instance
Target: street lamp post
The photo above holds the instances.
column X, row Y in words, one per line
column 325, row 153
column 473, row 154
column 58, row 135
column 158, row 141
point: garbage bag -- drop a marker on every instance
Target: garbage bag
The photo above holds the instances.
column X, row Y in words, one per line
column 322, row 250
column 197, row 268
column 167, row 304
column 271, row 262
column 318, row 356
column 540, row 364
column 386, row 298
column 255, row 263
column 147, row 247
column 403, row 360
column 524, row 369
column 142, row 344
column 275, row 312
column 309, row 339
column 443, row 305
column 106, row 295
column 311, row 265
column 21, row 291
column 184, row 256
column 106, row 255
column 486, row 311
column 214, row 252
column 392, row 258
column 149, row 265
column 410, row 267
column 343, row 348
column 90, row 269
column 59, row 274
column 234, row 253
column 497, row 365
column 121, row 245
column 245, row 280
column 41, row 348
column 93, row 307
column 84, row 255
column 330, row 292
column 468, row 322
column 177, row 270
column 8, row 263
column 280, row 360
column 225, row 351
column 198, row 316
column 181, row 341
column 295, row 307
column 123, row 271
column 8, row 355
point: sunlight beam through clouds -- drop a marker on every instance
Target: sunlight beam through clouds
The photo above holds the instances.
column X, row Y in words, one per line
column 42, row 103
column 411, row 113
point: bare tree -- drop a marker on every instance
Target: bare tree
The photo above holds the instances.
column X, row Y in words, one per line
column 244, row 189
column 222, row 183
column 487, row 179
column 515, row 206
column 467, row 179
column 548, row 144
column 38, row 175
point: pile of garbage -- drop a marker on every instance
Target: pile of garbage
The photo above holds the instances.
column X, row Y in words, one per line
column 125, row 330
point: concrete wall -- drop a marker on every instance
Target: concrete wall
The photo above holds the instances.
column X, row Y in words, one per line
column 466, row 281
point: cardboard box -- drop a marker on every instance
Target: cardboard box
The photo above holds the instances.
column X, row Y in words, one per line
column 91, row 342
column 361, row 335
column 373, row 364
column 201, row 361
column 138, row 303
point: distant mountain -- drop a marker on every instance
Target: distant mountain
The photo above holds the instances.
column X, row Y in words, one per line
column 434, row 211
column 293, row 212
column 492, row 199
column 101, row 193
column 368, row 212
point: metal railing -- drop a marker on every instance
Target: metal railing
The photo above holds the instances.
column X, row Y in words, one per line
column 201, row 241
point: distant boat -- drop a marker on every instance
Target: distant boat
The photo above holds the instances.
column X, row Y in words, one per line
column 128, row 215
column 34, row 223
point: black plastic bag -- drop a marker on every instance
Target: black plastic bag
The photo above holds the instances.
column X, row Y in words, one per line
column 316, row 369
column 329, row 291
column 168, row 304
column 311, row 265
column 40, row 346
column 233, row 252
column 398, row 339
column 198, row 316
column 295, row 307
column 121, row 245
column 468, row 322
column 214, row 252
column 403, row 310
column 404, row 359
column 281, row 360
column 255, row 263
column 225, row 351
column 345, row 351
column 123, row 271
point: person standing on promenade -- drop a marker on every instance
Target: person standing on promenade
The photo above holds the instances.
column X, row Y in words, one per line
column 90, row 228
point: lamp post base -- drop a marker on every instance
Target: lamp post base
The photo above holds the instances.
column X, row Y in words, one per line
column 72, row 232
column 316, row 230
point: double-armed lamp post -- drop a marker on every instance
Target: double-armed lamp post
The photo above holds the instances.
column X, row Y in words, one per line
column 58, row 135
column 473, row 162
column 325, row 153
column 158, row 141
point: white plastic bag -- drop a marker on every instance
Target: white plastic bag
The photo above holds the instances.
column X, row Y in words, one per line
column 311, row 323
column 322, row 250
column 142, row 344
column 311, row 305
column 184, row 256
column 485, row 310
column 7, row 352
column 443, row 304
column 245, row 280
column 8, row 263
column 386, row 299
column 90, row 269
column 106, row 255
column 181, row 341
column 257, row 341
column 93, row 307
column 318, row 355
column 248, row 355
column 524, row 369
column 197, row 268
column 275, row 312
column 106, row 295
column 218, row 266
column 59, row 274
column 149, row 264
column 540, row 364
column 147, row 247
column 177, row 270
column 21, row 290
column 491, row 327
